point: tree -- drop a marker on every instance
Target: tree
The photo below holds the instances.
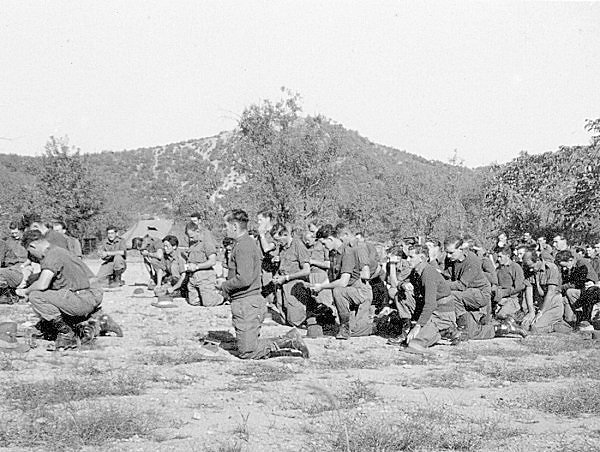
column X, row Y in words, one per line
column 67, row 188
column 289, row 161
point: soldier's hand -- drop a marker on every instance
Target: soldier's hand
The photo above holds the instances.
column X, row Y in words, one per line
column 408, row 286
column 316, row 287
column 144, row 252
column 21, row 293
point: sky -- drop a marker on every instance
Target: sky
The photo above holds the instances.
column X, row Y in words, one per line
column 487, row 79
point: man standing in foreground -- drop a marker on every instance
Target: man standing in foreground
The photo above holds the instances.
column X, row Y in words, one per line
column 248, row 307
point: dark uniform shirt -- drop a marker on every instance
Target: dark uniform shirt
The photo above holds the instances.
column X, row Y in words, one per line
column 56, row 238
column 117, row 244
column 69, row 271
column 348, row 260
column 548, row 275
column 201, row 250
column 511, row 279
column 467, row 274
column 577, row 276
column 12, row 252
column 430, row 288
column 293, row 258
column 243, row 278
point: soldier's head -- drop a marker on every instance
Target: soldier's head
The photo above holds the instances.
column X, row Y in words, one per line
column 170, row 244
column 327, row 234
column 266, row 219
column 236, row 223
column 504, row 255
column 111, row 232
column 59, row 226
column 417, row 255
column 344, row 233
column 196, row 218
column 281, row 234
column 16, row 230
column 35, row 244
column 565, row 259
column 531, row 260
column 35, row 223
column 560, row 243
column 454, row 249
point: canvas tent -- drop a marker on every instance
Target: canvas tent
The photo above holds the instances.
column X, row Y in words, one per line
column 156, row 227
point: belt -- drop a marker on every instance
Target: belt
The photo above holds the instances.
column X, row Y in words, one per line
column 80, row 291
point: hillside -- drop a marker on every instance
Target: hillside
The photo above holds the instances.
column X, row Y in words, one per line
column 177, row 178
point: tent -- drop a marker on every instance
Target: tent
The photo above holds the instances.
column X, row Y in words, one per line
column 156, row 227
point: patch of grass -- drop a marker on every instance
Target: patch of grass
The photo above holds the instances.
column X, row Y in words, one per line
column 552, row 345
column 30, row 395
column 264, row 372
column 227, row 447
column 436, row 379
column 241, row 430
column 588, row 368
column 571, row 401
column 338, row 362
column 176, row 358
column 68, row 428
column 355, row 394
column 424, row 428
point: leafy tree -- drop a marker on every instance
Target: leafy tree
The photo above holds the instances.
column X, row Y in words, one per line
column 67, row 188
column 289, row 161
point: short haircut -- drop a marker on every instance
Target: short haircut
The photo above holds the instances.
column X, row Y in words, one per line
column 326, row 231
column 507, row 251
column 532, row 255
column 191, row 226
column 238, row 216
column 111, row 228
column 279, row 229
column 228, row 241
column 196, row 215
column 266, row 213
column 17, row 224
column 560, row 237
column 31, row 236
column 564, row 256
column 435, row 241
column 453, row 240
column 579, row 249
column 342, row 228
column 61, row 223
column 419, row 249
column 32, row 218
column 174, row 241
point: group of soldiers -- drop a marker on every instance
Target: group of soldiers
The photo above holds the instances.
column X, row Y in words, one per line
column 41, row 264
column 325, row 279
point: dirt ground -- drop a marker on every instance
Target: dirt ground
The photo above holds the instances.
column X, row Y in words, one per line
column 539, row 393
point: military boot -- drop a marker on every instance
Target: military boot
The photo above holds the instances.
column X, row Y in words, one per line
column 507, row 327
column 344, row 332
column 401, row 340
column 66, row 338
column 292, row 341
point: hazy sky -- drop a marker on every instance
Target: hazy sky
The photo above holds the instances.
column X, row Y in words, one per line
column 486, row 78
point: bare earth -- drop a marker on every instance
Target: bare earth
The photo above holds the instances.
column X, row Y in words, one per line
column 540, row 393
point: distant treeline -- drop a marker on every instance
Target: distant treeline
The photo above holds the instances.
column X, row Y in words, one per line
column 307, row 169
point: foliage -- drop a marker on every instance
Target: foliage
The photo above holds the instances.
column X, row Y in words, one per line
column 289, row 162
column 67, row 189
